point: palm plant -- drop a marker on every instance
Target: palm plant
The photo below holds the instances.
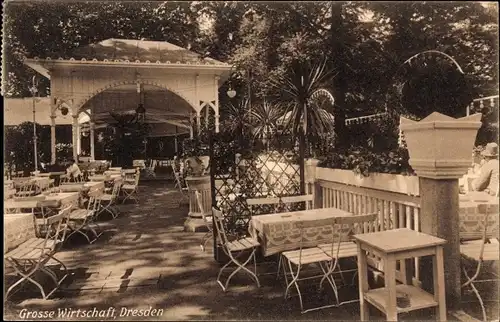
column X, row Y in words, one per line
column 236, row 118
column 264, row 119
column 297, row 88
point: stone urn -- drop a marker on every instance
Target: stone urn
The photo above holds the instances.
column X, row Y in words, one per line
column 194, row 222
column 439, row 145
column 197, row 166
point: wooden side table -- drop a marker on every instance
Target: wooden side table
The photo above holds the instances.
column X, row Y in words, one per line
column 391, row 246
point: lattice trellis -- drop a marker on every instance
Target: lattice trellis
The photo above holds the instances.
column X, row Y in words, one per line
column 259, row 170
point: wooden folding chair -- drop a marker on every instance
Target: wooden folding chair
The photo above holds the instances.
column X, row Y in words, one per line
column 207, row 220
column 235, row 250
column 344, row 247
column 82, row 220
column 130, row 189
column 297, row 259
column 178, row 180
column 24, row 187
column 33, row 255
column 107, row 200
column 476, row 254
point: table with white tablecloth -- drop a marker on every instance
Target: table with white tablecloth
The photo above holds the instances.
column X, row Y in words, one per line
column 112, row 177
column 473, row 207
column 66, row 199
column 18, row 228
column 82, row 186
column 277, row 232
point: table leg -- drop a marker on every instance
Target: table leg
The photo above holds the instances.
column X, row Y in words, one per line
column 390, row 287
column 406, row 271
column 363, row 284
column 439, row 285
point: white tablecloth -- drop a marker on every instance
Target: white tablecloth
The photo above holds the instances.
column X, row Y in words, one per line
column 66, row 198
column 276, row 232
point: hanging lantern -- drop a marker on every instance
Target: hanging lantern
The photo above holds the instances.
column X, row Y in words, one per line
column 64, row 110
column 231, row 93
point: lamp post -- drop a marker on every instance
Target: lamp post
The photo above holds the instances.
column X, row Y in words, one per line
column 34, row 91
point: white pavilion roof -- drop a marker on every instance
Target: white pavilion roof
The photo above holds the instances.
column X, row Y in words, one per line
column 129, row 52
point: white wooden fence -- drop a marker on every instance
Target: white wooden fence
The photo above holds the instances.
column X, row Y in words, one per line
column 395, row 198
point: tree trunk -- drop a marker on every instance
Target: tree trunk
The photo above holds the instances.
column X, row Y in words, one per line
column 340, row 81
column 302, row 150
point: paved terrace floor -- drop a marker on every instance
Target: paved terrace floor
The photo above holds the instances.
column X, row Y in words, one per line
column 147, row 260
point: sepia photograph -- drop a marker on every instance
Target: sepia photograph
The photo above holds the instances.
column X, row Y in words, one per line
column 251, row 160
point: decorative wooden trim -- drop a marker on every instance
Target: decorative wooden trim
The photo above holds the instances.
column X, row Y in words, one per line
column 128, row 82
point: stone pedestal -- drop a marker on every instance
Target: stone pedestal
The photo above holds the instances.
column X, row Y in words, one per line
column 194, row 222
column 440, row 152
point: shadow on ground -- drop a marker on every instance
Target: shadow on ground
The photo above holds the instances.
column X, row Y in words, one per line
column 145, row 260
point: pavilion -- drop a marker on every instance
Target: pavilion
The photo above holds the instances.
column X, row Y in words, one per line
column 170, row 84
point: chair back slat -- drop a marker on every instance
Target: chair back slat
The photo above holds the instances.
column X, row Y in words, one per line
column 288, row 201
column 349, row 220
column 219, row 225
column 304, row 224
column 137, row 177
column 264, row 205
column 53, row 225
column 116, row 188
column 263, row 201
column 346, row 227
column 300, row 198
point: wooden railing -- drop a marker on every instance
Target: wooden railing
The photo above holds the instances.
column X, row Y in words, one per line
column 395, row 199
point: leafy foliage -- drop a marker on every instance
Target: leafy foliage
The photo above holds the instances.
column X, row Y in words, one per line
column 364, row 161
column 124, row 140
column 19, row 145
column 364, row 43
column 297, row 88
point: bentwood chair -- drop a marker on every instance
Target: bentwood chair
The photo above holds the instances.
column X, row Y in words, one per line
column 207, row 220
column 33, row 255
column 478, row 259
column 240, row 252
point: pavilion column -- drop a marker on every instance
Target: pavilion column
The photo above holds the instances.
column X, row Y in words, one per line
column 79, row 140
column 216, row 105
column 176, row 142
column 53, row 152
column 92, row 141
column 75, row 133
column 198, row 122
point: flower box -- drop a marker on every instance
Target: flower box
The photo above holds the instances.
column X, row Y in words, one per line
column 381, row 181
column 440, row 146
